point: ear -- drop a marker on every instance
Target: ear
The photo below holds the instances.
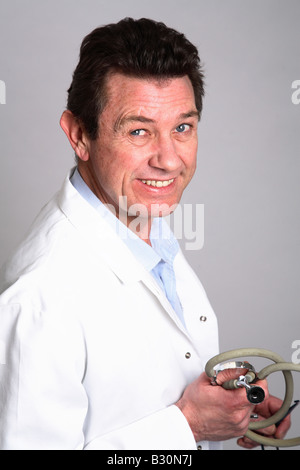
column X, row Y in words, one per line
column 76, row 135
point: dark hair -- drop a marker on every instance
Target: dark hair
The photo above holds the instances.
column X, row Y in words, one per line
column 141, row 48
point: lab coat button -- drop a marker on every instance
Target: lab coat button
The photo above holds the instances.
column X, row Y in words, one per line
column 187, row 355
column 203, row 318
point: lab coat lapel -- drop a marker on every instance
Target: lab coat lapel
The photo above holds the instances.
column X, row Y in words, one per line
column 108, row 246
column 152, row 285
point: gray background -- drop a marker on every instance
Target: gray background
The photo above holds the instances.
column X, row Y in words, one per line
column 249, row 152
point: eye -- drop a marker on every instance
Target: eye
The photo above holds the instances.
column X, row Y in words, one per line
column 183, row 128
column 138, row 132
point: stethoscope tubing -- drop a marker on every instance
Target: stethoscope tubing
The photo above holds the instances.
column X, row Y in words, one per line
column 280, row 365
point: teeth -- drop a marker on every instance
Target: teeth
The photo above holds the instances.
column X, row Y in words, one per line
column 158, row 184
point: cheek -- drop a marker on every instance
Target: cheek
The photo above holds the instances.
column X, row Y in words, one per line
column 115, row 167
column 190, row 159
column 194, row 165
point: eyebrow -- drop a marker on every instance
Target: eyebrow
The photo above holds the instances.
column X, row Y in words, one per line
column 120, row 122
column 192, row 113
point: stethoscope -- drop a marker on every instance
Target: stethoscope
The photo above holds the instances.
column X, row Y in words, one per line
column 255, row 394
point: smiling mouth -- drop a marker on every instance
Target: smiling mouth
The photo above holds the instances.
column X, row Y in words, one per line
column 158, row 183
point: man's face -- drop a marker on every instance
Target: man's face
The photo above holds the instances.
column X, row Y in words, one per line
column 147, row 144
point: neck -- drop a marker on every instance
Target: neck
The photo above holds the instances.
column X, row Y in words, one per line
column 141, row 226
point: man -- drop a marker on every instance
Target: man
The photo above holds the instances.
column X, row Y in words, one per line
column 105, row 327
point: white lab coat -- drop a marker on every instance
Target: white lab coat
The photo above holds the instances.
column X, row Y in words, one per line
column 93, row 355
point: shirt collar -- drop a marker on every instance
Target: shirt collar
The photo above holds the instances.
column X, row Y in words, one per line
column 147, row 255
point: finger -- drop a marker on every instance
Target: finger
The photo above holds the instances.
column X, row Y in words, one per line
column 269, row 406
column 247, row 443
column 268, row 431
column 283, row 428
column 229, row 374
column 271, row 431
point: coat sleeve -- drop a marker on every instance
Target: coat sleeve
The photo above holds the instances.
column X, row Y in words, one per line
column 35, row 413
column 166, row 429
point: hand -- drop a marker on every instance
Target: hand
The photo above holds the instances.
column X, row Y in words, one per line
column 264, row 411
column 216, row 414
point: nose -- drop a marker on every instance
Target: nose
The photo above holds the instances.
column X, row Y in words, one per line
column 165, row 155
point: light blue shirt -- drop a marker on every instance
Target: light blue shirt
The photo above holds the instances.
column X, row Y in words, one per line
column 157, row 259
